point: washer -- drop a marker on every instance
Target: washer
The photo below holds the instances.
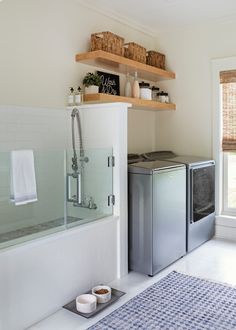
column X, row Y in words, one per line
column 157, row 215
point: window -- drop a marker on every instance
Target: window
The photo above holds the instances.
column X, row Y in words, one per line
column 229, row 183
column 228, row 101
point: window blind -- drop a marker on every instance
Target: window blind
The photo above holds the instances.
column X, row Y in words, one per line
column 228, row 81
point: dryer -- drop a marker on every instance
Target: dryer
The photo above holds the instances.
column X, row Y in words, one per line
column 200, row 188
column 200, row 174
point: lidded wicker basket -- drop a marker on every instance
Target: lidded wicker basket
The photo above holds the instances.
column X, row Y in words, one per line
column 135, row 52
column 156, row 59
column 108, row 42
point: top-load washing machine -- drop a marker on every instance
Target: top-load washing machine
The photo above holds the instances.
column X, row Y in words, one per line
column 157, row 215
column 200, row 174
column 135, row 158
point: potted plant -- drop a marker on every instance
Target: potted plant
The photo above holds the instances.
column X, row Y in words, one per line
column 91, row 81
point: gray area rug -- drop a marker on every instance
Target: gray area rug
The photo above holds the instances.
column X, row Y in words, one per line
column 176, row 302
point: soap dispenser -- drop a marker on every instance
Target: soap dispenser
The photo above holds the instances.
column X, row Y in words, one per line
column 70, row 97
column 79, row 96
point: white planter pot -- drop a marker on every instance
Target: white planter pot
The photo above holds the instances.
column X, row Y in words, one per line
column 91, row 89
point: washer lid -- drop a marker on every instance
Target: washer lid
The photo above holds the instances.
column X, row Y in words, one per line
column 154, row 166
column 134, row 158
column 159, row 155
column 192, row 160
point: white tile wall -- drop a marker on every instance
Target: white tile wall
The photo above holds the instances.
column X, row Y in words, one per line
column 44, row 131
column 30, row 127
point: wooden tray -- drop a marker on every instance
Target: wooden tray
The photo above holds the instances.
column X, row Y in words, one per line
column 115, row 295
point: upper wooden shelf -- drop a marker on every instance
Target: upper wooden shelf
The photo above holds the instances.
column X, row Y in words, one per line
column 121, row 64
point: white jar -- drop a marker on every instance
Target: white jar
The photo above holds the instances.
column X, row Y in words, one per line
column 162, row 97
column 145, row 91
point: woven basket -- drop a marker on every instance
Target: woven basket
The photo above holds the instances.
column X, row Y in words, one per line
column 156, row 59
column 108, row 42
column 135, row 52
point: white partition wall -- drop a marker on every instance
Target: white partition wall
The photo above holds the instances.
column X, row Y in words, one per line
column 40, row 276
column 105, row 126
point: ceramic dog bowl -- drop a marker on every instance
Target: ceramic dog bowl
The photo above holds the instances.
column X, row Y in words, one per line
column 102, row 293
column 86, row 303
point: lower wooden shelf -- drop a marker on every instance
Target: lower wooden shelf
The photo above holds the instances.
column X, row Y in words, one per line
column 137, row 103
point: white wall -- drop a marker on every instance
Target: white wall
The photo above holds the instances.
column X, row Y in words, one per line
column 37, row 66
column 189, row 52
column 142, row 131
column 109, row 122
column 39, row 40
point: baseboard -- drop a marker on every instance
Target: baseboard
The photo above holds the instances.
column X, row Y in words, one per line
column 226, row 227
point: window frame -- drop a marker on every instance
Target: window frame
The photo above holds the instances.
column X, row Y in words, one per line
column 220, row 157
column 225, row 209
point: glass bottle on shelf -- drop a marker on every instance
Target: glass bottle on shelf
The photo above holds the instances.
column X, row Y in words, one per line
column 155, row 91
column 128, row 88
column 135, row 87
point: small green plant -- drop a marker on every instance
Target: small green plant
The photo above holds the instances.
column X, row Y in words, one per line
column 92, row 79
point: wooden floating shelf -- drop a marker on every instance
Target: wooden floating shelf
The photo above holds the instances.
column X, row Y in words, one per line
column 137, row 103
column 120, row 64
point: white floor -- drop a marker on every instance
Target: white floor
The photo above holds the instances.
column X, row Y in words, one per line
column 214, row 260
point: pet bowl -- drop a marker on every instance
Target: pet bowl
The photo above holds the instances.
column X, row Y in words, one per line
column 102, row 293
column 86, row 303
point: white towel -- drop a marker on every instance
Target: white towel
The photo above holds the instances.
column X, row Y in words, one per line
column 23, row 181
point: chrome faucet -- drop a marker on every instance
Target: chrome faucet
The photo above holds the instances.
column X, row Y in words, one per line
column 75, row 113
column 78, row 174
column 88, row 204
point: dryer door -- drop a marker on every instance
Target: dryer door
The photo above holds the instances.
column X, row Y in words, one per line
column 202, row 192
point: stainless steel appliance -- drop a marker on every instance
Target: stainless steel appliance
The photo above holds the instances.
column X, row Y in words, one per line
column 200, row 199
column 200, row 195
column 157, row 215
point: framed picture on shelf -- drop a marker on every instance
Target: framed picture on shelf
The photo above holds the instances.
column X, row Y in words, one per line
column 110, row 83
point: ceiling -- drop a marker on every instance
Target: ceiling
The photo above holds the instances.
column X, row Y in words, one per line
column 157, row 15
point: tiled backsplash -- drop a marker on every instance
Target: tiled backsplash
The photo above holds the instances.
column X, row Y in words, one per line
column 44, row 131
column 32, row 128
